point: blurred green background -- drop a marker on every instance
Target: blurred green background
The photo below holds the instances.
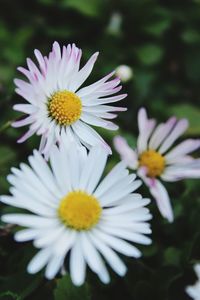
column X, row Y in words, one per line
column 160, row 41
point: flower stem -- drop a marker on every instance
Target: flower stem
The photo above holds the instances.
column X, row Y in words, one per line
column 5, row 126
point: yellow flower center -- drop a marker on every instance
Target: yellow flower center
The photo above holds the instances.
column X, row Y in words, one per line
column 153, row 161
column 65, row 107
column 79, row 210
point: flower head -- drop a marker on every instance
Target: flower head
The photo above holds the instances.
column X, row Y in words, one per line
column 72, row 213
column 58, row 108
column 194, row 291
column 124, row 72
column 154, row 159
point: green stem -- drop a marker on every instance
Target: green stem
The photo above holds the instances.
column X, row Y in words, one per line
column 5, row 126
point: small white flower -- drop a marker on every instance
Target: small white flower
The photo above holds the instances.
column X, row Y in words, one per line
column 57, row 107
column 194, row 291
column 124, row 72
column 152, row 159
column 72, row 213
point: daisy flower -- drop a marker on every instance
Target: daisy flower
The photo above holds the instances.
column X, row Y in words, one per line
column 194, row 291
column 154, row 159
column 58, row 107
column 72, row 214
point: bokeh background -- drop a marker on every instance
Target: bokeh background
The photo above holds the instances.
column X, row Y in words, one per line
column 160, row 41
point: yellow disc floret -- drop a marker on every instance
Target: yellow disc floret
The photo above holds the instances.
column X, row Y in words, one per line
column 153, row 161
column 79, row 210
column 65, row 107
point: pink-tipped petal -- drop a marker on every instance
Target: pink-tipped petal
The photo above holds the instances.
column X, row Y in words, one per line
column 96, row 121
column 142, row 119
column 182, row 149
column 182, row 171
column 56, row 48
column 146, row 127
column 84, row 73
column 142, row 143
column 161, row 196
column 89, row 136
column 27, row 135
column 127, row 154
column 23, row 122
column 177, row 131
column 25, row 108
column 161, row 132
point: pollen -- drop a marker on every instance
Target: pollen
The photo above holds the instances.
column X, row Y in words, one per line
column 79, row 210
column 65, row 107
column 153, row 161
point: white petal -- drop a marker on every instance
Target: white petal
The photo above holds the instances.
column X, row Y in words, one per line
column 26, row 235
column 93, row 169
column 49, row 237
column 77, row 264
column 117, row 244
column 43, row 171
column 119, row 191
column 93, row 258
column 27, row 175
column 66, row 242
column 140, row 227
column 30, row 204
column 116, row 174
column 127, row 204
column 126, row 234
column 111, row 257
column 39, row 260
column 197, row 270
column 29, row 220
column 194, row 291
column 53, row 266
column 136, row 215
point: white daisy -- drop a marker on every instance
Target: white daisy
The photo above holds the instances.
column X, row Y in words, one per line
column 72, row 213
column 57, row 107
column 153, row 160
column 194, row 291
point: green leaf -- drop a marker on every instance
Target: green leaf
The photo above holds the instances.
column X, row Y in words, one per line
column 90, row 8
column 189, row 112
column 192, row 64
column 20, row 284
column 143, row 82
column 9, row 295
column 150, row 54
column 6, row 155
column 65, row 290
column 191, row 36
column 172, row 256
column 158, row 28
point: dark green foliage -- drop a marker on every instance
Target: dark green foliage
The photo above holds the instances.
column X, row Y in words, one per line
column 66, row 290
column 160, row 40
